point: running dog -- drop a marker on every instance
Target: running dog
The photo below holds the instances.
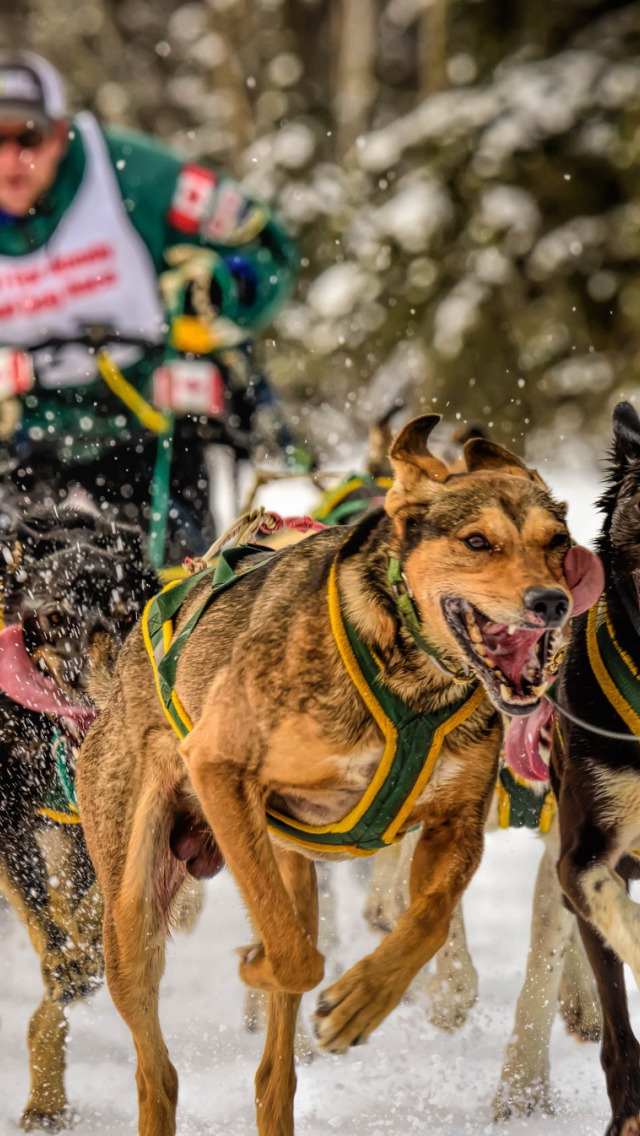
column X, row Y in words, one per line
column 328, row 698
column 72, row 585
column 596, row 772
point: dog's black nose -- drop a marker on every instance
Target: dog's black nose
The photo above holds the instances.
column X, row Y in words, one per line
column 550, row 604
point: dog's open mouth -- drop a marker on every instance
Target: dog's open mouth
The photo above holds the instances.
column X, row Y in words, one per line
column 511, row 661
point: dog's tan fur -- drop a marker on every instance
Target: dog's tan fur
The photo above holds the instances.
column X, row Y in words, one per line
column 278, row 721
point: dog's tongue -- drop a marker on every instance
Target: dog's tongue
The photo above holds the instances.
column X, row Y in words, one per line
column 511, row 652
column 522, row 743
column 585, row 576
column 27, row 685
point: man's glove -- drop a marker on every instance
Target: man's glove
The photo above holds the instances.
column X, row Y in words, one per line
column 197, row 288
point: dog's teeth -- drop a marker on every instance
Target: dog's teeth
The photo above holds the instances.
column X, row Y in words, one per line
column 539, row 690
column 472, row 628
column 482, row 650
column 511, row 628
column 505, row 693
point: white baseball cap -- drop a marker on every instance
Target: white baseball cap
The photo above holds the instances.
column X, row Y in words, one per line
column 31, row 90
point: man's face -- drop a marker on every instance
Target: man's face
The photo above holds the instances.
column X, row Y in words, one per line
column 29, row 159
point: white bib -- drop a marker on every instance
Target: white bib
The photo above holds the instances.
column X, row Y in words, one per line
column 95, row 269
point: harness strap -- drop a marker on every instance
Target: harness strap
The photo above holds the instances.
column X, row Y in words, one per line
column 157, row 622
column 519, row 806
column 614, row 669
column 412, row 740
column 61, row 803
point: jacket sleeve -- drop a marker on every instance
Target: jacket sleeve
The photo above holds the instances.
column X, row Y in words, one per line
column 172, row 203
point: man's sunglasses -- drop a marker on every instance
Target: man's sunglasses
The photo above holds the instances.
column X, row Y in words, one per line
column 29, row 139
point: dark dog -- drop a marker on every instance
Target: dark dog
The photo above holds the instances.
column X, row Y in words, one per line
column 72, row 586
column 597, row 779
column 288, row 733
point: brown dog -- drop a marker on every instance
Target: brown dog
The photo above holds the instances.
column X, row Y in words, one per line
column 285, row 731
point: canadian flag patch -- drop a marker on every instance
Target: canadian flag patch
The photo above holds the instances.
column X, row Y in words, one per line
column 189, row 386
column 191, row 198
column 16, row 372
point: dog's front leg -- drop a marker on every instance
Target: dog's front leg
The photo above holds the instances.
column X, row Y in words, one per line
column 47, row 1106
column 276, row 1079
column 444, row 861
column 524, row 1082
column 286, row 960
column 620, row 1050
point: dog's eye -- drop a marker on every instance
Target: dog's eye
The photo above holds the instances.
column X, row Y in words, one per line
column 477, row 542
column 55, row 619
column 557, row 541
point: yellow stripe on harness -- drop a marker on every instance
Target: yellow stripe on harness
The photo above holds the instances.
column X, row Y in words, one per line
column 167, row 635
column 607, row 685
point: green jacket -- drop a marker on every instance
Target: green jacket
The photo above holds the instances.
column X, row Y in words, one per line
column 148, row 175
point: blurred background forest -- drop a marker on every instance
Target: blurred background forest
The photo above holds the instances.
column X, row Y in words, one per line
column 461, row 175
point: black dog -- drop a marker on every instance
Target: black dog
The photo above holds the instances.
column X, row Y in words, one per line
column 596, row 778
column 72, row 586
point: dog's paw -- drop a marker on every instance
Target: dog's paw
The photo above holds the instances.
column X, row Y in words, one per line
column 449, row 1002
column 518, row 1099
column 351, row 1009
column 39, row 1120
column 584, row 1022
column 293, row 975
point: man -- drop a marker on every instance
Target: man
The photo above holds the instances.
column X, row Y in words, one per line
column 105, row 234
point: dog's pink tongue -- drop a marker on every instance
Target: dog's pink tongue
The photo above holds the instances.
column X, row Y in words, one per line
column 511, row 652
column 522, row 743
column 27, row 685
column 585, row 576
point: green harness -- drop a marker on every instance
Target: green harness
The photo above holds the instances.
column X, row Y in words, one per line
column 413, row 740
column 61, row 804
column 614, row 669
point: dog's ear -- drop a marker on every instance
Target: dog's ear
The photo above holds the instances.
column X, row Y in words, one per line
column 410, row 454
column 626, row 435
column 623, row 466
column 480, row 453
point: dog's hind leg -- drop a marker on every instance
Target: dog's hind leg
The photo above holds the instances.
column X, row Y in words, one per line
column 524, row 1081
column 134, row 960
column 276, row 1079
column 445, row 858
column 134, row 934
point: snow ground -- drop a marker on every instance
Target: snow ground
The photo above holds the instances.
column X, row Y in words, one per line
column 409, row 1078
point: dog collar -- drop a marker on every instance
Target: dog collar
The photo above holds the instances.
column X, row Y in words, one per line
column 410, row 619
